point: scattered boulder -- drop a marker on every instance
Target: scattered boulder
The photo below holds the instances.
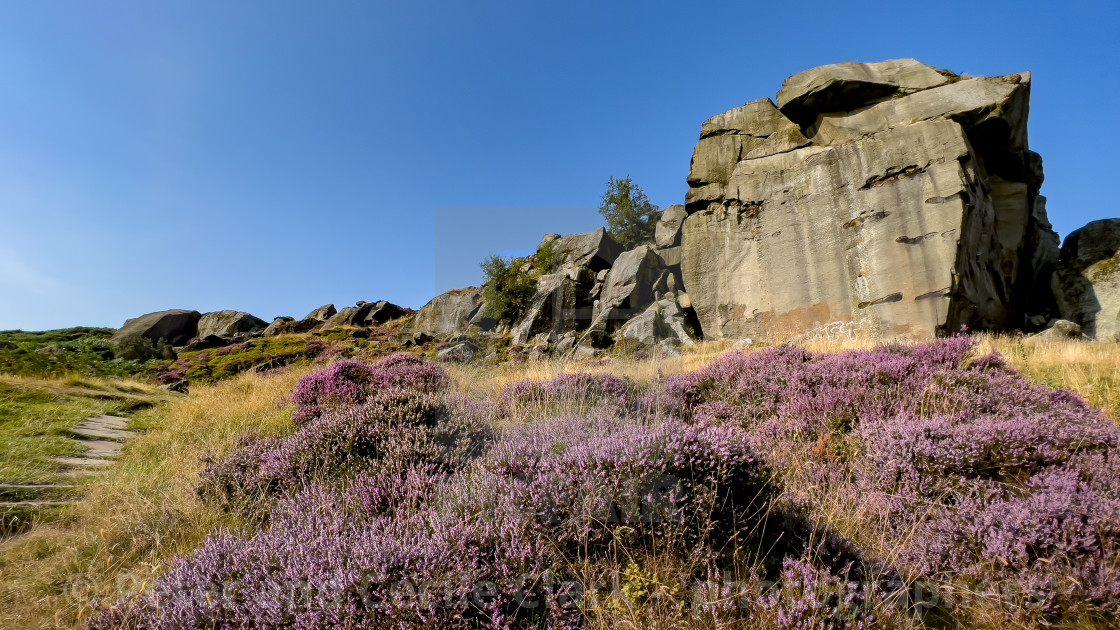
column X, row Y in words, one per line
column 321, row 314
column 448, row 313
column 365, row 315
column 595, row 250
column 667, row 232
column 205, row 343
column 459, row 353
column 227, row 324
column 1061, row 329
column 1086, row 281
column 912, row 209
column 383, row 312
column 662, row 323
column 7, row 345
column 279, row 326
column 138, row 337
column 313, row 320
column 351, row 316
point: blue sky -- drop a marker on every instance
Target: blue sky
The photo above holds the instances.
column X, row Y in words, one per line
column 275, row 156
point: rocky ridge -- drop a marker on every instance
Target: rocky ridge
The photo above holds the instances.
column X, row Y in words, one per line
column 894, row 200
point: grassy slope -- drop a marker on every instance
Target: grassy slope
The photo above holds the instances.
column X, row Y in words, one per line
column 144, row 511
column 55, row 353
column 140, row 513
column 36, row 416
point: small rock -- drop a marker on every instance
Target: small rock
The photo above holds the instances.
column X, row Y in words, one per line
column 1061, row 329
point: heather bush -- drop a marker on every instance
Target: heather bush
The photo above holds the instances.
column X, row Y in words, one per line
column 385, row 552
column 568, row 394
column 345, row 382
column 354, row 417
column 966, row 473
column 832, row 487
column 352, row 382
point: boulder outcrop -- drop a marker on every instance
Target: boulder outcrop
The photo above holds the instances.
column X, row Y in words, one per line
column 279, row 326
column 667, row 232
column 1086, row 282
column 553, row 309
column 663, row 323
column 447, row 313
column 365, row 314
column 228, row 324
column 595, row 250
column 896, row 198
column 138, row 336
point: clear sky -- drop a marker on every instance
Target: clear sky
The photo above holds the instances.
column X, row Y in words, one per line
column 274, row 156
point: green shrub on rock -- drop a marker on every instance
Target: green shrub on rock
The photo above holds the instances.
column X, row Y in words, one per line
column 508, row 289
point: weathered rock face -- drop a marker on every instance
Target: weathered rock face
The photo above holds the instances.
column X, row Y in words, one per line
column 175, row 328
column 1087, row 279
column 365, row 314
column 595, row 250
column 901, row 199
column 846, row 86
column 667, row 232
column 227, row 324
column 321, row 314
column 553, row 310
column 630, row 282
column 279, row 326
column 662, row 323
column 447, row 313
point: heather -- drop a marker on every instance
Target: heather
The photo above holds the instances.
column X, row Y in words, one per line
column 967, row 476
column 351, row 417
column 896, row 487
column 568, row 393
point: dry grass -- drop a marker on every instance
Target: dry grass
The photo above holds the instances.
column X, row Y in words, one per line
column 1092, row 369
column 135, row 518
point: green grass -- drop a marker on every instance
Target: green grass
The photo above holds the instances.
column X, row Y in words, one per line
column 36, row 417
column 58, row 352
column 209, row 366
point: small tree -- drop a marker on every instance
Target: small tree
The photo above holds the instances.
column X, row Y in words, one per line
column 631, row 218
column 509, row 288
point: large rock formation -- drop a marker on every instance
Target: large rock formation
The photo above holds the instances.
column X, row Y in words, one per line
column 1087, row 280
column 898, row 199
column 447, row 313
column 594, row 250
column 139, row 337
column 667, row 232
column 365, row 314
column 228, row 324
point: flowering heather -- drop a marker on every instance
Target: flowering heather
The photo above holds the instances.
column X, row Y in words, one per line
column 386, row 552
column 354, row 416
column 567, row 392
column 352, row 382
column 345, row 382
column 397, row 503
column 973, row 473
column 668, row 485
